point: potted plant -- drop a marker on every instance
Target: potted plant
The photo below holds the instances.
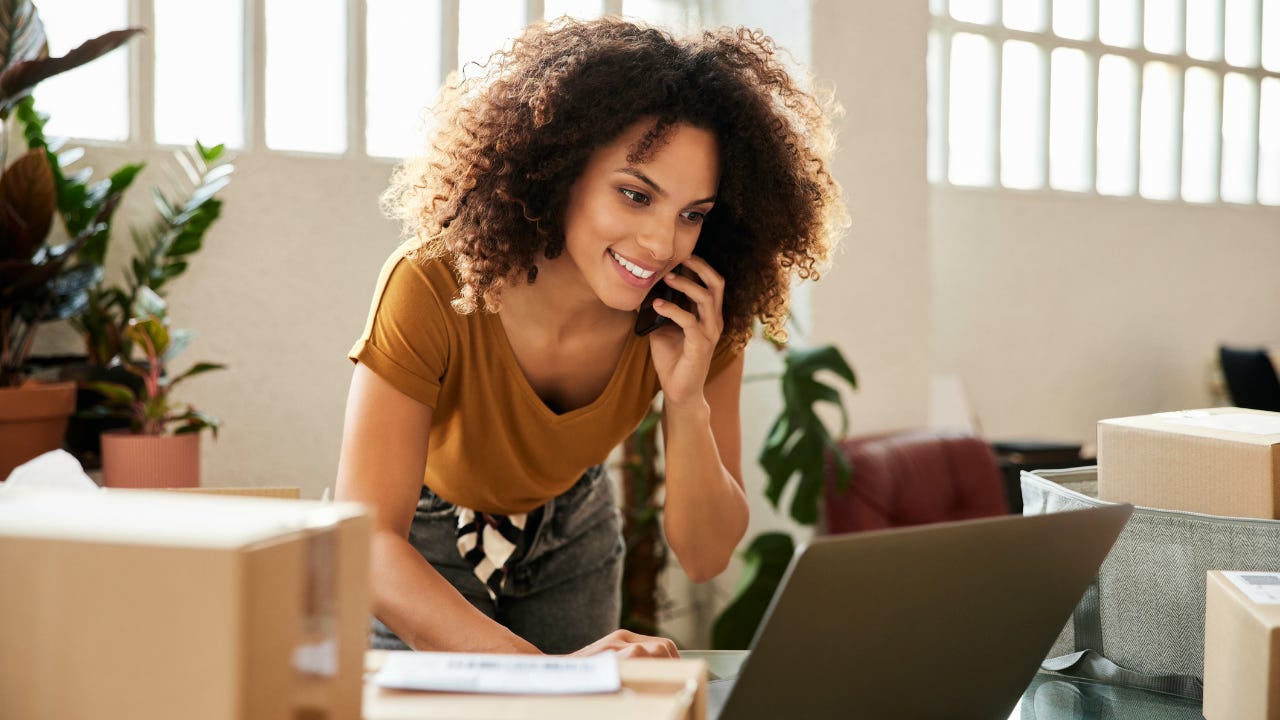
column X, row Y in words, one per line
column 40, row 281
column 161, row 446
column 162, row 251
column 797, row 446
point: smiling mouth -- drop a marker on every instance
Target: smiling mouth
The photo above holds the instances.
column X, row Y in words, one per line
column 631, row 267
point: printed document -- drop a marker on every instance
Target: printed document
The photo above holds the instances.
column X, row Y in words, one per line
column 504, row 674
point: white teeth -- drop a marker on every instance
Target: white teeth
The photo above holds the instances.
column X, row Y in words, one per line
column 632, row 267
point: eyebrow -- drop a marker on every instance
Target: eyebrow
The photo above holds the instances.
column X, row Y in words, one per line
column 657, row 188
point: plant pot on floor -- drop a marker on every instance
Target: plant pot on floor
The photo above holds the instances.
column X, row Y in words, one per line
column 84, row 431
column 150, row 461
column 33, row 419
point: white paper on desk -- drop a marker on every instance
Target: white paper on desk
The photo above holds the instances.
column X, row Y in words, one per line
column 500, row 674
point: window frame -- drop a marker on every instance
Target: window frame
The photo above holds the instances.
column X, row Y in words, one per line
column 141, row 76
column 943, row 27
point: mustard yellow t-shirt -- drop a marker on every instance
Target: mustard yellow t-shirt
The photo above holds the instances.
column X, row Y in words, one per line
column 494, row 445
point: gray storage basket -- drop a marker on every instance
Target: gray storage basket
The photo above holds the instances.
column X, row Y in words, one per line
column 1149, row 615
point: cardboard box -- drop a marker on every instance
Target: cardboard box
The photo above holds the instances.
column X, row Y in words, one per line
column 1220, row 461
column 283, row 492
column 1242, row 646
column 156, row 605
column 651, row 690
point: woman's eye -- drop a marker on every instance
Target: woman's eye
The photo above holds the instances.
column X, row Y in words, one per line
column 634, row 196
column 694, row 216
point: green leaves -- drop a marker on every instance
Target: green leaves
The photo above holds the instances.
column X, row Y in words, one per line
column 765, row 561
column 196, row 369
column 150, row 408
column 113, row 393
column 86, row 208
column 185, row 216
column 194, row 421
column 798, row 441
column 150, row 334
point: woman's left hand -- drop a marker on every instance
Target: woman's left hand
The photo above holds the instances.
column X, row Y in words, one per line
column 682, row 354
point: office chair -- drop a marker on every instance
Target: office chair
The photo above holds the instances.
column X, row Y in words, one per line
column 1251, row 378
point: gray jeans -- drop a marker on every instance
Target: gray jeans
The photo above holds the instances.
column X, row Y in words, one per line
column 564, row 589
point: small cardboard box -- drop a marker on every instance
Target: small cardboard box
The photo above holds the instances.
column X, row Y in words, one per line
column 152, row 605
column 1220, row 461
column 668, row 689
column 1242, row 646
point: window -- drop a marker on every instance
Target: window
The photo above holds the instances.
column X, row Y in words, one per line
column 1163, row 99
column 198, row 86
column 327, row 77
column 99, row 85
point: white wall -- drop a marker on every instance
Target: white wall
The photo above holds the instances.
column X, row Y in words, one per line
column 279, row 293
column 875, row 302
column 1057, row 311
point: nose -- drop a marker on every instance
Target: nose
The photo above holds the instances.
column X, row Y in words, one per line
column 658, row 238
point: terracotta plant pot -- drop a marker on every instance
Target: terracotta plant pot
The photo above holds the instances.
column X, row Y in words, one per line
column 150, row 461
column 84, row 433
column 33, row 419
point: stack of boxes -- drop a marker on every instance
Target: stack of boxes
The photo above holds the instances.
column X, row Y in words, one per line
column 1220, row 461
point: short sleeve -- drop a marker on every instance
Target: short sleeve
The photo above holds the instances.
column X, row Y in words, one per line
column 406, row 339
column 726, row 352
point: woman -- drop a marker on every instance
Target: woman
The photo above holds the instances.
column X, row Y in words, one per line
column 501, row 361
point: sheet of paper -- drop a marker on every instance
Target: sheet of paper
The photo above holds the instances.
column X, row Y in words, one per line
column 500, row 674
column 1261, row 587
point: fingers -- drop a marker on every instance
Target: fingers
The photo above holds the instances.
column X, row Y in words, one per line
column 648, row 650
column 632, row 645
column 713, row 280
column 706, row 294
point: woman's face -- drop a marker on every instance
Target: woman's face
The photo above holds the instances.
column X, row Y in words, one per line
column 628, row 224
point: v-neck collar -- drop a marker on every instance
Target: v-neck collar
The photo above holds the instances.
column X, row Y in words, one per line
column 503, row 345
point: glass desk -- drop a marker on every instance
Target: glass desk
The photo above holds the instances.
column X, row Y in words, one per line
column 1056, row 697
column 1049, row 697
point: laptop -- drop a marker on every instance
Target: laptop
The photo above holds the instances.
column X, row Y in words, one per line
column 947, row 621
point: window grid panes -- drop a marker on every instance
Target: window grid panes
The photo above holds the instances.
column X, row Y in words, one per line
column 1161, row 99
column 325, row 77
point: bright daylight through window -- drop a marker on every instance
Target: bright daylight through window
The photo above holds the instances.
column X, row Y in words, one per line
column 1164, row 99
column 335, row 78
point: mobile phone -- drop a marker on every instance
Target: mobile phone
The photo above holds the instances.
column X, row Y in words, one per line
column 648, row 319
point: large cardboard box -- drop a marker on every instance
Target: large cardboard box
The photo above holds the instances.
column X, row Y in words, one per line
column 1219, row 461
column 151, row 605
column 1242, row 646
column 651, row 690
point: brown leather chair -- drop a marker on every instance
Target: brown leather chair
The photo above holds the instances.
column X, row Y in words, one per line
column 913, row 477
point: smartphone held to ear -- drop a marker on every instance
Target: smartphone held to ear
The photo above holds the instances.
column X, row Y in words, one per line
column 648, row 319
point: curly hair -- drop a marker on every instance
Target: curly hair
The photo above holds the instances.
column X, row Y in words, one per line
column 490, row 192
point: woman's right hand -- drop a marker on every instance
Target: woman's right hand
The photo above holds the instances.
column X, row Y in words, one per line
column 631, row 645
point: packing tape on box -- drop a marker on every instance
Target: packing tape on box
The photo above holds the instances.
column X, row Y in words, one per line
column 317, row 651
